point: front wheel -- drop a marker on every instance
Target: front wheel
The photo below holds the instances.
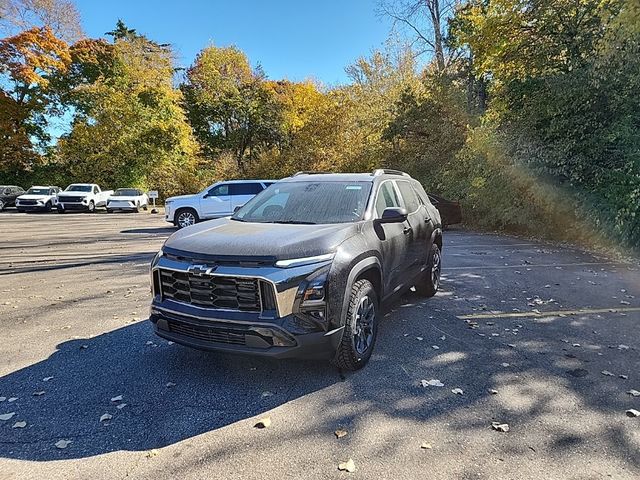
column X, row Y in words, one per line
column 429, row 281
column 60, row 209
column 186, row 217
column 91, row 206
column 361, row 328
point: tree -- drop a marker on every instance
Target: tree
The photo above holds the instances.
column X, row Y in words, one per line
column 426, row 23
column 229, row 106
column 61, row 16
column 27, row 63
column 129, row 128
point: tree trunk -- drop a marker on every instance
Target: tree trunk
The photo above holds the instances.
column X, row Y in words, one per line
column 434, row 10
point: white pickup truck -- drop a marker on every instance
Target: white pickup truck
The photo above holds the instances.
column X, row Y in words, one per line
column 83, row 196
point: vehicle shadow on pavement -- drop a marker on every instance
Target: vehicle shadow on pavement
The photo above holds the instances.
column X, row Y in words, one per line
column 151, row 230
column 169, row 393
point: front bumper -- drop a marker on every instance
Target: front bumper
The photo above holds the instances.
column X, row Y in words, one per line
column 74, row 206
column 243, row 336
column 32, row 208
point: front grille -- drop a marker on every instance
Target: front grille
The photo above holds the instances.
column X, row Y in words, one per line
column 70, row 199
column 208, row 334
column 28, row 202
column 229, row 293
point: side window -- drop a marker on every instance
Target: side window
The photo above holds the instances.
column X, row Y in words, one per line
column 95, row 190
column 219, row 191
column 409, row 196
column 386, row 198
column 245, row 188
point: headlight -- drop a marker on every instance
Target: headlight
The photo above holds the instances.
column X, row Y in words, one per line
column 314, row 290
column 298, row 262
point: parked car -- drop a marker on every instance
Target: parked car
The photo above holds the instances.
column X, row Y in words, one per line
column 8, row 195
column 215, row 201
column 131, row 199
column 450, row 211
column 38, row 198
column 82, row 196
column 301, row 269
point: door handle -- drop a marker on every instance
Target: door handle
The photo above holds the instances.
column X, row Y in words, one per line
column 406, row 230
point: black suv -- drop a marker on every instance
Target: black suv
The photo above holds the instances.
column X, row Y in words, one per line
column 8, row 195
column 301, row 269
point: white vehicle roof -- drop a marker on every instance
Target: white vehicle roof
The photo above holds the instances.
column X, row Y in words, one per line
column 85, row 184
column 43, row 186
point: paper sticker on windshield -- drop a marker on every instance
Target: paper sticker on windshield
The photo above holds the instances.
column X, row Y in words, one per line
column 354, row 187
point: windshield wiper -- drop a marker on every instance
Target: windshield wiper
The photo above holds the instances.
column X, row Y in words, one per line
column 294, row 222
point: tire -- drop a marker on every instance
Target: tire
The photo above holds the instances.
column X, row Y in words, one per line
column 145, row 207
column 429, row 281
column 358, row 338
column 185, row 217
column 48, row 207
column 91, row 207
column 2, row 205
column 109, row 210
column 60, row 209
column 137, row 209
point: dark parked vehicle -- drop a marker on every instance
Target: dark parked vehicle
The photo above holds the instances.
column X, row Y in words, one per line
column 8, row 195
column 301, row 269
column 450, row 211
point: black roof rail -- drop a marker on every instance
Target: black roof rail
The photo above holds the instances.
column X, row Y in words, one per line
column 307, row 172
column 388, row 171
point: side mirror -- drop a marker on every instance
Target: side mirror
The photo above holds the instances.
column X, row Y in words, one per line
column 393, row 215
column 237, row 208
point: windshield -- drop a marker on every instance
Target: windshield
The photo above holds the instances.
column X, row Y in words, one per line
column 127, row 192
column 307, row 203
column 78, row 188
column 38, row 191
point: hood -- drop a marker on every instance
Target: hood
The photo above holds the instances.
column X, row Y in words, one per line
column 34, row 197
column 229, row 238
column 181, row 197
column 74, row 194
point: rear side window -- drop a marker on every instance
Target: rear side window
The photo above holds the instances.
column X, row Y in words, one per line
column 245, row 188
column 219, row 191
column 387, row 197
column 409, row 196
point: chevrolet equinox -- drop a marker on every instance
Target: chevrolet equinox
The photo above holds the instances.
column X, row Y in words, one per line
column 300, row 270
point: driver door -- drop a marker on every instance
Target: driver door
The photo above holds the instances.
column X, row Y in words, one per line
column 216, row 202
column 394, row 239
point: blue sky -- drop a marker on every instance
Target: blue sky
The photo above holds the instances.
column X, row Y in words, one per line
column 290, row 39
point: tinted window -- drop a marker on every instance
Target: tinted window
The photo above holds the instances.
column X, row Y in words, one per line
column 219, row 191
column 409, row 196
column 245, row 188
column 127, row 192
column 386, row 198
column 78, row 188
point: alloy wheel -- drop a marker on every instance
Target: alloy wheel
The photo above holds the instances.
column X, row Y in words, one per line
column 364, row 324
column 435, row 270
column 186, row 219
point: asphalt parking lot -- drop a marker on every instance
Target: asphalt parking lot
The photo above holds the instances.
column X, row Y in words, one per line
column 523, row 329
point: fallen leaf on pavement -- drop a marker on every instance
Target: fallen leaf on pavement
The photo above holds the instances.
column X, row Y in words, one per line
column 19, row 425
column 121, row 406
column 505, row 364
column 347, row 466
column 632, row 413
column 426, row 446
column 435, row 347
column 500, row 427
column 493, row 391
column 152, row 453
column 266, row 394
column 623, row 347
column 634, row 393
column 263, row 423
column 340, row 433
column 623, row 377
column 12, row 399
column 117, row 399
column 39, row 393
column 419, row 338
column 46, row 379
column 2, row 399
column 607, row 373
column 7, row 416
column 170, row 384
column 106, row 417
column 62, row 443
column 458, row 391
column 432, row 383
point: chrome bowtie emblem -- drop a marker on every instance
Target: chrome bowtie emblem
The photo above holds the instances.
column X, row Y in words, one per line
column 201, row 270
